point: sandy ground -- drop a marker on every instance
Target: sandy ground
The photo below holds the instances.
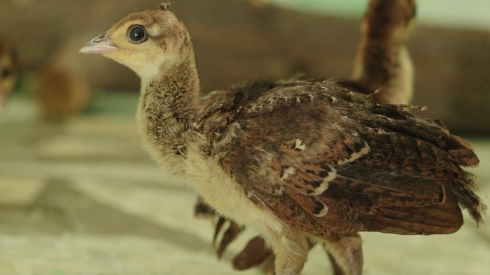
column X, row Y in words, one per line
column 83, row 198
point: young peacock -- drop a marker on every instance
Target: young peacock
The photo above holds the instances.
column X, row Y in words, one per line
column 293, row 159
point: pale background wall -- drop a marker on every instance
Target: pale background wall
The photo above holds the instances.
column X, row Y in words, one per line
column 454, row 13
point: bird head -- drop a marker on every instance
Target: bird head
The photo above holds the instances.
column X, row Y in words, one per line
column 148, row 42
column 390, row 19
column 9, row 71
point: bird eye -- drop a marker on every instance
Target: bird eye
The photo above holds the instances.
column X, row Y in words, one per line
column 137, row 34
column 6, row 72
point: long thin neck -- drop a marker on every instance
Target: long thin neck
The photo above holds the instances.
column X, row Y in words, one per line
column 376, row 60
column 167, row 108
column 385, row 65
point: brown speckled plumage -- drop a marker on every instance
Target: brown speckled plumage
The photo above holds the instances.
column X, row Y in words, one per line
column 292, row 159
column 355, row 137
column 382, row 66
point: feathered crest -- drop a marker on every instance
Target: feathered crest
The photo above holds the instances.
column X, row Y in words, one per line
column 164, row 6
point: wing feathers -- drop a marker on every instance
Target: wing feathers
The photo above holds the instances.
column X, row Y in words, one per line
column 340, row 218
column 346, row 148
column 311, row 179
column 438, row 219
column 388, row 189
column 326, row 159
column 310, row 204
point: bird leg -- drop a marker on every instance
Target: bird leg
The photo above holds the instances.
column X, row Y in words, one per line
column 337, row 269
column 291, row 251
column 345, row 251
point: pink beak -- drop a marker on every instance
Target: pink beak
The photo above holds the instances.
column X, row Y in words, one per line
column 99, row 45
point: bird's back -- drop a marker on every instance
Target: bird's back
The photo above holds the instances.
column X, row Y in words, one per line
column 324, row 158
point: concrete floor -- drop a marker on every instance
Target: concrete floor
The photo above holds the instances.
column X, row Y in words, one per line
column 83, row 198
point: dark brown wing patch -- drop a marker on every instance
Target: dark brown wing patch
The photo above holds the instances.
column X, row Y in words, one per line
column 386, row 189
column 309, row 179
column 324, row 159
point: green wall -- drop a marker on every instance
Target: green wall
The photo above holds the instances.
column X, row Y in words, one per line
column 454, row 13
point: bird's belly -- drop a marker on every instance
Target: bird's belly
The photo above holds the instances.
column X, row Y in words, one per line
column 222, row 193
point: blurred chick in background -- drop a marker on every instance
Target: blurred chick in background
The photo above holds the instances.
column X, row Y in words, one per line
column 62, row 89
column 382, row 60
column 9, row 70
column 61, row 93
